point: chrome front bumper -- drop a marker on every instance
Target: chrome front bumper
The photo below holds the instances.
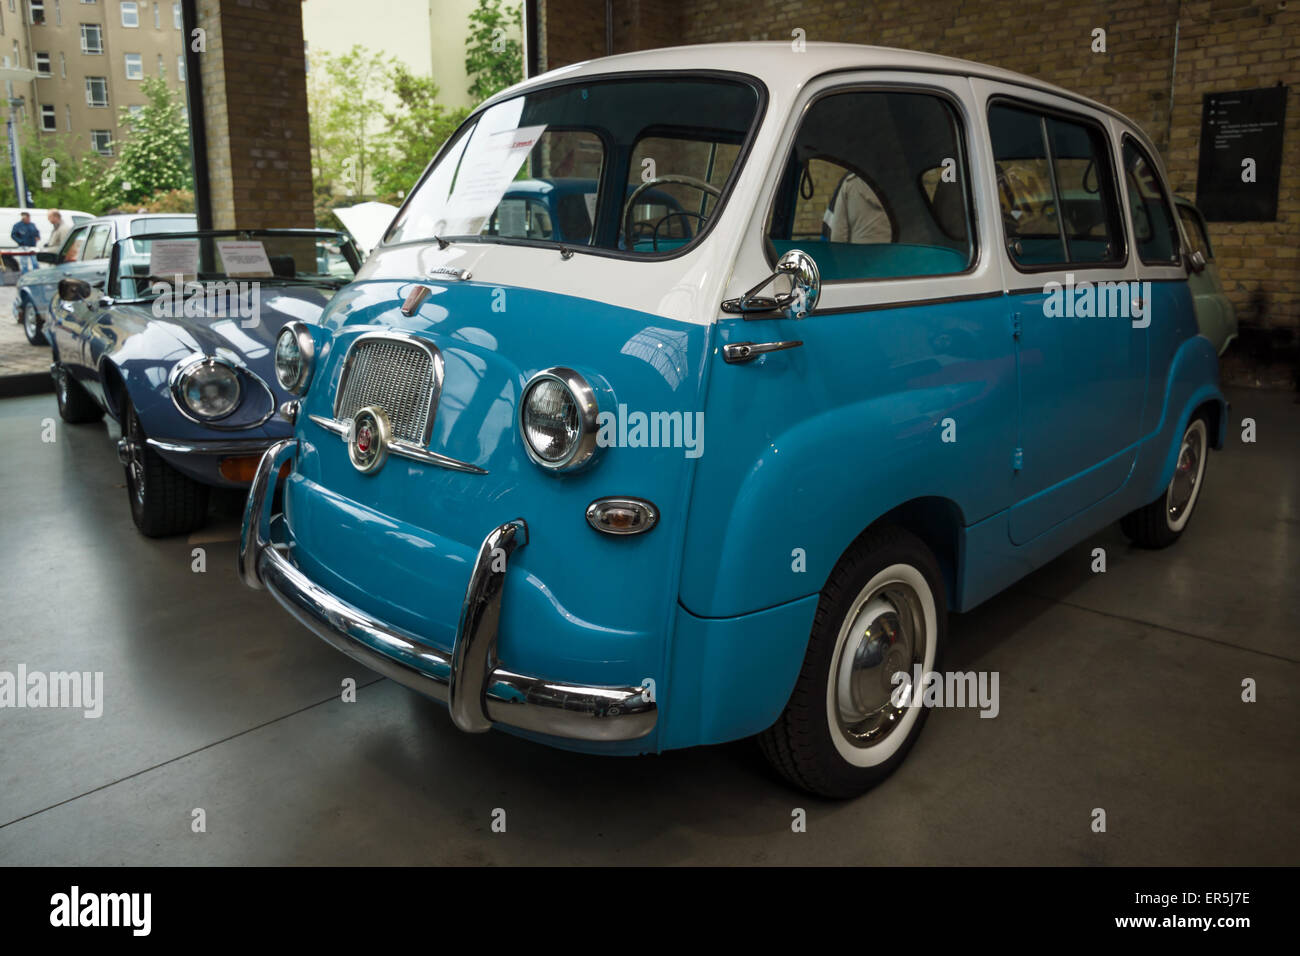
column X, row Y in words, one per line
column 478, row 691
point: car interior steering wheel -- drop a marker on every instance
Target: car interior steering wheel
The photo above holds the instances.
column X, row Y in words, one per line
column 630, row 206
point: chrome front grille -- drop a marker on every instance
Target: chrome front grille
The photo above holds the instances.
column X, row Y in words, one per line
column 401, row 376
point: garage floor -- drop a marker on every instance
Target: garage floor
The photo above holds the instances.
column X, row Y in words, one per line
column 1119, row 691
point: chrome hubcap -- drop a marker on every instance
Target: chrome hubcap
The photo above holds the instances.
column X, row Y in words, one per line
column 29, row 319
column 887, row 637
column 1183, row 487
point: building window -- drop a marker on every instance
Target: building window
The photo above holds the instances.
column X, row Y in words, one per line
column 63, row 65
column 43, row 64
column 134, row 66
column 176, row 16
column 130, row 14
column 96, row 91
column 92, row 38
column 37, row 8
column 101, row 141
column 67, row 116
column 58, row 13
column 49, row 122
column 134, row 111
column 180, row 67
column 157, row 16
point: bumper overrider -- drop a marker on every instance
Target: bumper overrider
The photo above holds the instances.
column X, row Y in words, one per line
column 470, row 680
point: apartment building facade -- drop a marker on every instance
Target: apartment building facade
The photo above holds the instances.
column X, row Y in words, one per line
column 91, row 58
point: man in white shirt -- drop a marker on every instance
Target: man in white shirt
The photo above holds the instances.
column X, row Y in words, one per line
column 857, row 215
column 60, row 233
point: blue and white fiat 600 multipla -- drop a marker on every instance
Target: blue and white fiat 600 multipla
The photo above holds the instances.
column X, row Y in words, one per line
column 856, row 336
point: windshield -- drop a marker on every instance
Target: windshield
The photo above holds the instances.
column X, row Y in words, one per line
column 327, row 259
column 635, row 165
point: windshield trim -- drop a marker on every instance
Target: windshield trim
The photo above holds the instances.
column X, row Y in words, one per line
column 742, row 158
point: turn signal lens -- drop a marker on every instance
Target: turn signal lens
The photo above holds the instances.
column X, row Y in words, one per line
column 622, row 515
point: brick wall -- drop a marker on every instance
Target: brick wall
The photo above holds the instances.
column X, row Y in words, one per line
column 255, row 106
column 1222, row 45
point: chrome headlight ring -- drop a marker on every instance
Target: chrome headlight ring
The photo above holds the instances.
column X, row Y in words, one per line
column 582, row 447
column 180, row 375
column 295, row 381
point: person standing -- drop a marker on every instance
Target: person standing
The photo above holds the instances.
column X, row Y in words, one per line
column 60, row 233
column 25, row 235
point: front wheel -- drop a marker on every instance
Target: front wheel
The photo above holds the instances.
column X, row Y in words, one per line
column 1161, row 523
column 852, row 716
column 163, row 501
column 33, row 327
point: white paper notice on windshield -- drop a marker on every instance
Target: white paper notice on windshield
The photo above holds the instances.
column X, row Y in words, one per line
column 240, row 259
column 485, row 173
column 174, row 257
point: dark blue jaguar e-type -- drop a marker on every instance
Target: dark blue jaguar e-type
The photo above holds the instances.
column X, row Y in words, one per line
column 178, row 348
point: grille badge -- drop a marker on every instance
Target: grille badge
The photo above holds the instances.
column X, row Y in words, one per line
column 369, row 439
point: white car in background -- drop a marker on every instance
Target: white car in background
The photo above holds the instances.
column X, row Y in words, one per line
column 9, row 216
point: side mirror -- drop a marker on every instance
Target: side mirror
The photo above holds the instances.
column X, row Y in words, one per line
column 49, row 258
column 73, row 290
column 1196, row 261
column 805, row 289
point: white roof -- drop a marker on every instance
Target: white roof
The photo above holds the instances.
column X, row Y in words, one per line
column 782, row 69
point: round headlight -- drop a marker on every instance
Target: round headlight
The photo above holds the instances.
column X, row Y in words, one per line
column 294, row 348
column 557, row 418
column 209, row 388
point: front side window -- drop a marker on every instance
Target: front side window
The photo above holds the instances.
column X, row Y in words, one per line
column 632, row 166
column 71, row 250
column 875, row 187
column 1055, row 188
column 1154, row 228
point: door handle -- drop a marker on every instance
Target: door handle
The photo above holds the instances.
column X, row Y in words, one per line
column 739, row 352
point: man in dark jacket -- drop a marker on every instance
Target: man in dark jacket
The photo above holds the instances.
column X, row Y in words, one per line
column 26, row 235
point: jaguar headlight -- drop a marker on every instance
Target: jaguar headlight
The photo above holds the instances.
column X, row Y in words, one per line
column 557, row 418
column 294, row 351
column 207, row 388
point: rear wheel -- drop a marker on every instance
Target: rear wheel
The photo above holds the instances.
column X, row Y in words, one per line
column 851, row 720
column 76, row 407
column 1161, row 523
column 163, row 501
column 33, row 327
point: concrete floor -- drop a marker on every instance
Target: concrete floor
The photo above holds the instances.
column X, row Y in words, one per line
column 1119, row 691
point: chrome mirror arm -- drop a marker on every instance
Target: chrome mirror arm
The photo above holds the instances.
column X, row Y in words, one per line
column 805, row 289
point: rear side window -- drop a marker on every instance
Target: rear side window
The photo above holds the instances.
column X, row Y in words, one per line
column 875, row 187
column 1056, row 189
column 1154, row 229
column 97, row 243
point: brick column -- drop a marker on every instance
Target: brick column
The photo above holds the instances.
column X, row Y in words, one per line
column 255, row 107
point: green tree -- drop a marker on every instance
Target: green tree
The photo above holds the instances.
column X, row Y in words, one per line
column 494, row 52
column 60, row 173
column 155, row 156
column 343, row 97
column 416, row 129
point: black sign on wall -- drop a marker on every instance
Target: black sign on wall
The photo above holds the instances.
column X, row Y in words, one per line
column 1241, row 154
